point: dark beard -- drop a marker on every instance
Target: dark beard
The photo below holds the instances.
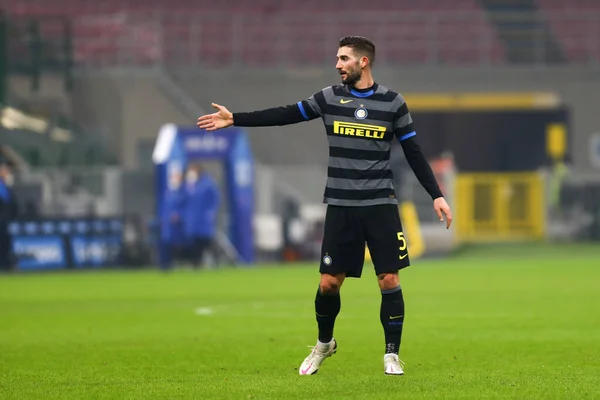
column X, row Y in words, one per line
column 352, row 78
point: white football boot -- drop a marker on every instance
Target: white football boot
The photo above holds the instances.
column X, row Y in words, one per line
column 392, row 365
column 316, row 357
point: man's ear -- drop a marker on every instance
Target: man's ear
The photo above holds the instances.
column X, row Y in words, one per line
column 364, row 61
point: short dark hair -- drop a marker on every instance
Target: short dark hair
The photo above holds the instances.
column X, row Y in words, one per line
column 361, row 45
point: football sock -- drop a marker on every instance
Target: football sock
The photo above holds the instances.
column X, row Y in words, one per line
column 392, row 318
column 327, row 307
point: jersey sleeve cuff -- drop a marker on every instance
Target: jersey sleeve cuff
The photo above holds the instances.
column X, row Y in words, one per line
column 436, row 193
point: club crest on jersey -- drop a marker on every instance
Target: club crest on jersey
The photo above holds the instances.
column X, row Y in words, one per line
column 361, row 113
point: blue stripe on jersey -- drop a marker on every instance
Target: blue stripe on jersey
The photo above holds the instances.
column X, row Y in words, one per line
column 407, row 136
column 302, row 111
column 361, row 94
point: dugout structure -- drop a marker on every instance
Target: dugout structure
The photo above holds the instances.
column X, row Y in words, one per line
column 505, row 145
column 178, row 146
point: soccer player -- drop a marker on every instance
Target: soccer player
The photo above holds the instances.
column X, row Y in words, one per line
column 361, row 119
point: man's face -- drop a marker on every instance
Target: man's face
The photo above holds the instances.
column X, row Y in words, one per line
column 193, row 174
column 175, row 180
column 6, row 175
column 348, row 65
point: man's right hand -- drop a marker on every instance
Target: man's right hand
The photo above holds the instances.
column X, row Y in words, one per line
column 221, row 119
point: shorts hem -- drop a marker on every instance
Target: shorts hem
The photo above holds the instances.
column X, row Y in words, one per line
column 391, row 270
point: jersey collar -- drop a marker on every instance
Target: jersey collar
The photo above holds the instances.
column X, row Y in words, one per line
column 363, row 92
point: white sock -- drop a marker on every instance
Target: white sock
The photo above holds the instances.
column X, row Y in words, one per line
column 322, row 344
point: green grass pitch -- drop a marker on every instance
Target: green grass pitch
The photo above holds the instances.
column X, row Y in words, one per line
column 502, row 322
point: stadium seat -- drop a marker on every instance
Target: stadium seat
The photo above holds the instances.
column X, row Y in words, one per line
column 576, row 27
column 255, row 33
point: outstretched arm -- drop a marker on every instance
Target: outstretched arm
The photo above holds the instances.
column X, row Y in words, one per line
column 276, row 116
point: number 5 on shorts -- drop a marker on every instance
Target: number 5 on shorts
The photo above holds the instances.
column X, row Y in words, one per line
column 403, row 246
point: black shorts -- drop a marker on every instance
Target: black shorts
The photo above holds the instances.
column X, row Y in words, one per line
column 347, row 229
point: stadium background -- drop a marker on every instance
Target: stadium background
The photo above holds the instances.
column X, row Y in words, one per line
column 505, row 96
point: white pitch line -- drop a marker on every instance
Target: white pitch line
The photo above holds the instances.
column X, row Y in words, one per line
column 204, row 311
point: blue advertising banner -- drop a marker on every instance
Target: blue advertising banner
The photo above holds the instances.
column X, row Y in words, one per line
column 240, row 179
column 96, row 251
column 61, row 243
column 39, row 252
column 200, row 145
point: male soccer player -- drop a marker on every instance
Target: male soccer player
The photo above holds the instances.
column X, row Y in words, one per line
column 361, row 119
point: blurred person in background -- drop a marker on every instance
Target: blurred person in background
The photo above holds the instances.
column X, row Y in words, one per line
column 442, row 166
column 202, row 201
column 171, row 224
column 558, row 175
column 8, row 212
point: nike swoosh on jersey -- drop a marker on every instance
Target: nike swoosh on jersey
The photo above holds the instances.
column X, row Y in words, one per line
column 403, row 257
column 345, row 101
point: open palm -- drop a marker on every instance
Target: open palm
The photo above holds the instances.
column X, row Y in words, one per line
column 218, row 120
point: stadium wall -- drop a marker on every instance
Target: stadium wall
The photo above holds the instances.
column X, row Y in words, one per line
column 97, row 107
column 131, row 106
column 50, row 92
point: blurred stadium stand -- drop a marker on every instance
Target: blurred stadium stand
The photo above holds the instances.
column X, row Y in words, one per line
column 575, row 26
column 465, row 32
column 108, row 74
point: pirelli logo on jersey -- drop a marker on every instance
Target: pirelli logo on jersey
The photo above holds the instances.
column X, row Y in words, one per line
column 355, row 129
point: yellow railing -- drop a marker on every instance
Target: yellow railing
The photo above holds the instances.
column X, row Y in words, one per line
column 499, row 207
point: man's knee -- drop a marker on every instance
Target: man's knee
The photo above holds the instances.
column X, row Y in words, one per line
column 388, row 280
column 331, row 283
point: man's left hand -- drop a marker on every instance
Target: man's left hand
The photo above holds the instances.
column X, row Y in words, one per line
column 443, row 209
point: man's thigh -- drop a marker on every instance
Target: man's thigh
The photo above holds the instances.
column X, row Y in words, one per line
column 343, row 248
column 385, row 238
